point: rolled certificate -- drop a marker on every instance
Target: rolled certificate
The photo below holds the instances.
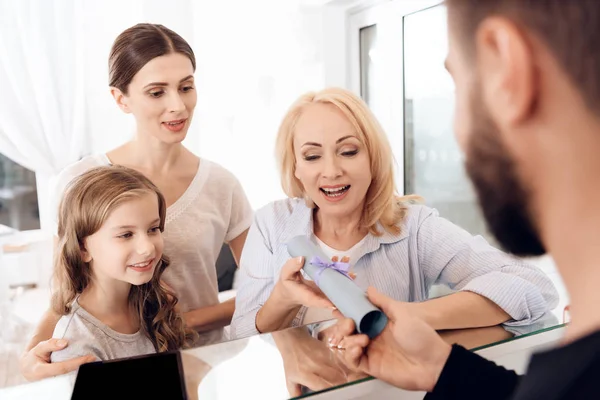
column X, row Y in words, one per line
column 334, row 282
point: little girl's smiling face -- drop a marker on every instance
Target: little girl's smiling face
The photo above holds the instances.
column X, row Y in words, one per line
column 129, row 245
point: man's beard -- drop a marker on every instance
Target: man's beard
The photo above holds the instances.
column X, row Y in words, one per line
column 502, row 197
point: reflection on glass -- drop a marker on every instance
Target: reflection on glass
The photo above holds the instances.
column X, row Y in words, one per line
column 433, row 162
column 309, row 365
column 297, row 362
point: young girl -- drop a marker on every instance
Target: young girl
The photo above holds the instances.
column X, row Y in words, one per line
column 108, row 269
column 151, row 76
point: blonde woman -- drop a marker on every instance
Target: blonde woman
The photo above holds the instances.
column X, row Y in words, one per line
column 337, row 170
column 108, row 267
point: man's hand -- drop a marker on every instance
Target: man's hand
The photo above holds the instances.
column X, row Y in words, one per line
column 408, row 353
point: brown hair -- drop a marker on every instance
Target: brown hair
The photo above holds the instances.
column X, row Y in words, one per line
column 138, row 45
column 88, row 201
column 382, row 204
column 568, row 27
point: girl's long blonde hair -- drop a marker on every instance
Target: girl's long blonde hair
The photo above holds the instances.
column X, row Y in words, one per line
column 88, row 201
column 382, row 204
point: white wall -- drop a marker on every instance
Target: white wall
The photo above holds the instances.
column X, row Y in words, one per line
column 267, row 57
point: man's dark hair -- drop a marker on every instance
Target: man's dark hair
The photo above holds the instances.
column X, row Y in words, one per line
column 569, row 28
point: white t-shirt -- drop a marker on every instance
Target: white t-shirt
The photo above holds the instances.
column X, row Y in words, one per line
column 88, row 335
column 314, row 314
column 350, row 253
column 213, row 210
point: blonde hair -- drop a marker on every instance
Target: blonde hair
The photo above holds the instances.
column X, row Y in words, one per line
column 382, row 204
column 88, row 201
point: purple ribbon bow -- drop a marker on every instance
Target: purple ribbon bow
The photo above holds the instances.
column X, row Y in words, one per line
column 338, row 266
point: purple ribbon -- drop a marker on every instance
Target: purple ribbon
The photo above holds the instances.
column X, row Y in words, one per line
column 338, row 266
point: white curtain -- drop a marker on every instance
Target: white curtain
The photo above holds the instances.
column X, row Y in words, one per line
column 42, row 83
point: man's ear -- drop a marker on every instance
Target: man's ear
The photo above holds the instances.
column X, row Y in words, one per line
column 507, row 71
column 120, row 99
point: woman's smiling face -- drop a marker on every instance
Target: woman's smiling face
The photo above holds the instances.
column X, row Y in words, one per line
column 331, row 162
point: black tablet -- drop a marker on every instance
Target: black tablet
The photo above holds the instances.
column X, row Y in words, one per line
column 153, row 376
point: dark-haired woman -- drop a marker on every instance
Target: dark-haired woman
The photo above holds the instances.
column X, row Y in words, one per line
column 151, row 76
